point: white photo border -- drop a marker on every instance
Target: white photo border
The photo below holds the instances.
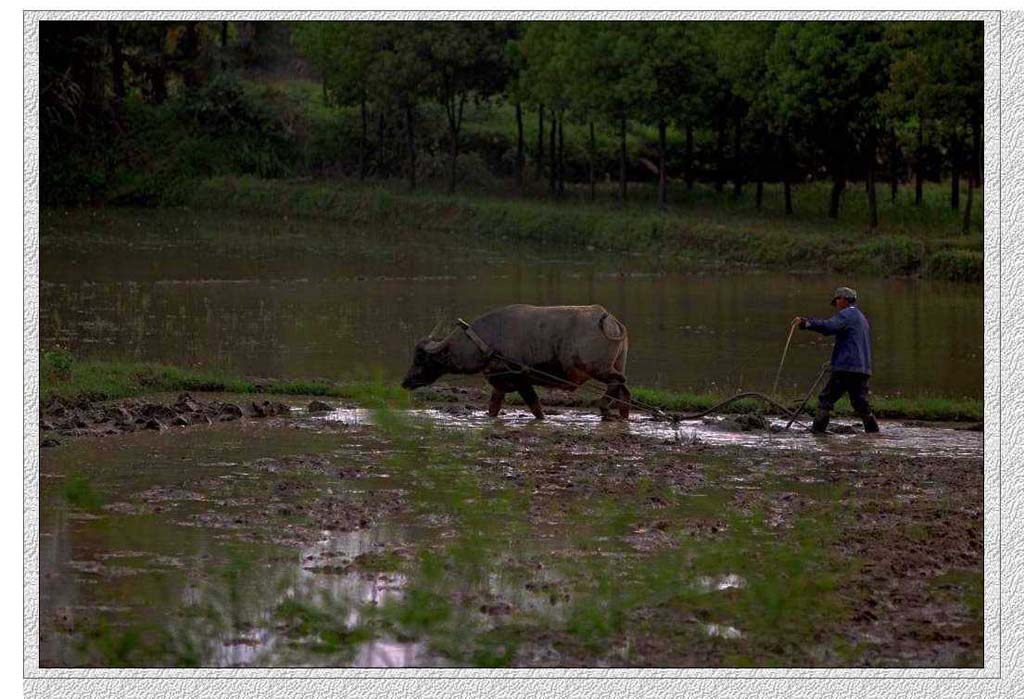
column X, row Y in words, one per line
column 1003, row 32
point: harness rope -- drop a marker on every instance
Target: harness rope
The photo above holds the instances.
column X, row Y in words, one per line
column 775, row 386
column 491, row 353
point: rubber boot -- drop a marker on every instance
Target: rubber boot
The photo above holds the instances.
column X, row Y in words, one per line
column 870, row 423
column 820, row 421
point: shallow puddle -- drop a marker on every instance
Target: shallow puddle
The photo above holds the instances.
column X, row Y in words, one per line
column 894, row 437
column 306, row 541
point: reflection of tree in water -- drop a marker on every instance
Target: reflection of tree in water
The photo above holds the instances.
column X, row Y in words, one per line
column 312, row 309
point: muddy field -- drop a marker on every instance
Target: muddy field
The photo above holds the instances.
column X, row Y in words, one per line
column 241, row 531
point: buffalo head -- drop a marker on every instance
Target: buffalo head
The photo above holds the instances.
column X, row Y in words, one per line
column 428, row 364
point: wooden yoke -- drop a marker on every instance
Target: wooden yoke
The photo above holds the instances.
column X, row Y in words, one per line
column 484, row 347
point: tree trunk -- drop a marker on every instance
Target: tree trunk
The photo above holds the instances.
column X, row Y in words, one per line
column 838, row 187
column 553, row 154
column 381, row 164
column 156, row 69
column 689, row 158
column 720, row 175
column 363, row 140
column 894, row 170
column 116, row 61
column 593, row 155
column 410, row 137
column 954, row 193
column 737, row 165
column 561, row 156
column 787, row 189
column 223, row 45
column 622, row 159
column 520, row 149
column 966, row 228
column 662, row 180
column 919, row 165
column 540, row 143
column 760, row 169
column 189, row 46
column 872, row 198
column 158, row 83
column 454, row 109
column 453, row 160
column 979, row 152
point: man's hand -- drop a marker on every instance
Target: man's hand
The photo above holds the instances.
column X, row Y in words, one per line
column 801, row 321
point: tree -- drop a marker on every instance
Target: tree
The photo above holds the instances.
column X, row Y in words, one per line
column 548, row 49
column 618, row 56
column 912, row 100
column 583, row 85
column 740, row 50
column 936, row 87
column 465, row 60
column 343, row 53
column 399, row 74
column 826, row 78
column 675, row 75
column 517, row 93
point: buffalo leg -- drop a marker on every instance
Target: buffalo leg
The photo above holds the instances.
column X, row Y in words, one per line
column 494, row 406
column 615, row 396
column 616, row 393
column 532, row 401
column 625, row 396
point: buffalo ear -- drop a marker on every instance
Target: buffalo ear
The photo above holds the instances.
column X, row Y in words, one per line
column 433, row 346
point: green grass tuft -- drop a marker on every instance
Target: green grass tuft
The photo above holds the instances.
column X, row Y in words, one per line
column 79, row 492
column 62, row 376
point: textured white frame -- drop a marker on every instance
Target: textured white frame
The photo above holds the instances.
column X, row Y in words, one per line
column 1004, row 31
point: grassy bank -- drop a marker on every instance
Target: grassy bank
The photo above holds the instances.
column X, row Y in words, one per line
column 65, row 377
column 705, row 229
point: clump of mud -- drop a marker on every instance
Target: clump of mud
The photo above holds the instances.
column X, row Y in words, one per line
column 319, row 406
column 740, row 423
column 86, row 417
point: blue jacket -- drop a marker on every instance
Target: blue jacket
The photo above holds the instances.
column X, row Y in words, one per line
column 853, row 339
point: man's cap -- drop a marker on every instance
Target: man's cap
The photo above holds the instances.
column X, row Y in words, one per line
column 844, row 292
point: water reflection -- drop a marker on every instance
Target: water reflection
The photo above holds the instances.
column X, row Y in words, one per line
column 221, row 598
column 894, row 438
column 309, row 299
column 388, row 653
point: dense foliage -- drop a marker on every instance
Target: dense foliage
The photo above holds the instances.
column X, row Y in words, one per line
column 134, row 111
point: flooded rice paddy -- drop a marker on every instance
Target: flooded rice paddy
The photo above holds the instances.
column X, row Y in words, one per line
column 266, row 297
column 439, row 537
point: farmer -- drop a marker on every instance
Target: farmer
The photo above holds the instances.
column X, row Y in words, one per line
column 851, row 359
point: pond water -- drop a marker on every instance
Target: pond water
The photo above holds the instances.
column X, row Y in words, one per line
column 273, row 297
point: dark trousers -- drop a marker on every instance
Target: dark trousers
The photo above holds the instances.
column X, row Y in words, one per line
column 841, row 382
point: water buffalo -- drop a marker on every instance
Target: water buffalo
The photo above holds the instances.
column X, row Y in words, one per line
column 570, row 344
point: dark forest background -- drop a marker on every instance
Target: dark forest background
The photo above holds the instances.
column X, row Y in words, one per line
column 137, row 112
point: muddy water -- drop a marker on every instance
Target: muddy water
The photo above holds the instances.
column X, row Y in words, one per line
column 894, row 438
column 300, row 299
column 154, row 571
column 191, row 546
